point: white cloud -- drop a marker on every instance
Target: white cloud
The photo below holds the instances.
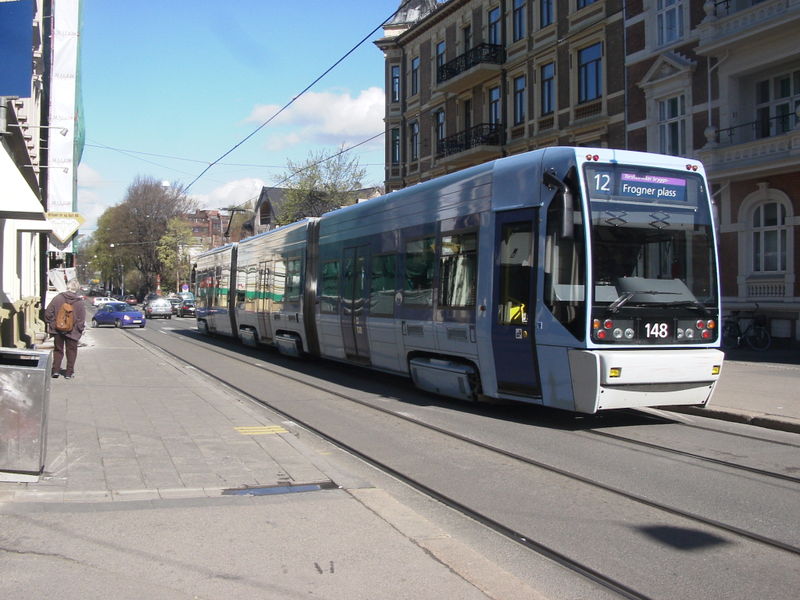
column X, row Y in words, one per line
column 325, row 117
column 233, row 193
column 92, row 201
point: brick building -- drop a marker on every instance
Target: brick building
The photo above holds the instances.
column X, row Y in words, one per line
column 472, row 80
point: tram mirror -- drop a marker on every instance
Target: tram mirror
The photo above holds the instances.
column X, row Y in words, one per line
column 566, row 209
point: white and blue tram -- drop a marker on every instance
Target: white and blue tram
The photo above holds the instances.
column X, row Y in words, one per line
column 577, row 278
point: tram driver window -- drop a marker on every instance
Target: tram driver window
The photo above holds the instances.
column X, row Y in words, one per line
column 565, row 270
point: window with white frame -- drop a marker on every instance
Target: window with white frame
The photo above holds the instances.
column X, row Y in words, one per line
column 777, row 102
column 519, row 19
column 395, row 146
column 395, row 83
column 495, row 34
column 672, row 125
column 669, row 17
column 440, row 124
column 770, row 236
column 440, row 54
column 590, row 86
column 413, row 141
column 584, row 3
column 520, row 95
column 545, row 13
column 495, row 113
column 415, row 75
column 547, row 88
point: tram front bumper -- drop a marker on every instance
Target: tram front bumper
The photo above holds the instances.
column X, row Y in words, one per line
column 606, row 379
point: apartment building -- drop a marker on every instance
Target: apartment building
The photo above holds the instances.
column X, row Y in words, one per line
column 473, row 80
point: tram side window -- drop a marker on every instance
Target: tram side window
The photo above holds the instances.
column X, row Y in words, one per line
column 329, row 279
column 279, row 281
column 420, row 260
column 382, row 285
column 293, row 268
column 515, row 273
column 458, row 270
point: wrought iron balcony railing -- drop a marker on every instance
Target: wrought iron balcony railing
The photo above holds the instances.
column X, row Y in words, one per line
column 485, row 134
column 755, row 130
column 482, row 53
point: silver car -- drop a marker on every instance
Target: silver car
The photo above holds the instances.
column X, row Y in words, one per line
column 158, row 307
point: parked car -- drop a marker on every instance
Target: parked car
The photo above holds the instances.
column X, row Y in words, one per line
column 100, row 300
column 131, row 299
column 186, row 309
column 158, row 307
column 118, row 314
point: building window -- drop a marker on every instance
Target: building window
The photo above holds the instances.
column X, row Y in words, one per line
column 548, row 74
column 585, row 3
column 519, row 99
column 545, row 13
column 395, row 146
column 495, row 35
column 590, row 73
column 494, row 106
column 769, row 238
column 440, row 52
column 395, row 83
column 672, row 125
column 440, row 130
column 777, row 103
column 670, row 21
column 414, row 141
column 467, row 115
column 467, row 37
column 415, row 76
column 519, row 19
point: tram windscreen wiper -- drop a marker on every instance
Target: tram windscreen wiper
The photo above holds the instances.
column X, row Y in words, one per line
column 695, row 304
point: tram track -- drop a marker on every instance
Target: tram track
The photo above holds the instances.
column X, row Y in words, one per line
column 518, row 536
column 512, row 455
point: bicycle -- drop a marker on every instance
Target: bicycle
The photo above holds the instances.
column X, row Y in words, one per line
column 755, row 335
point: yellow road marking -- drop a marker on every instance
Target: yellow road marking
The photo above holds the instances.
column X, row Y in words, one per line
column 261, row 430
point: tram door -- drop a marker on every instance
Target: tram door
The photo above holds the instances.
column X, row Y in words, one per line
column 263, row 300
column 355, row 300
column 513, row 340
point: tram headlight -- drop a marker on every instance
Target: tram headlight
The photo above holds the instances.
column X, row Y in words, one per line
column 679, row 333
column 618, row 334
column 629, row 333
column 689, row 334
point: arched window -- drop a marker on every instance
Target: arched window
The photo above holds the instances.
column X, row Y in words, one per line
column 770, row 238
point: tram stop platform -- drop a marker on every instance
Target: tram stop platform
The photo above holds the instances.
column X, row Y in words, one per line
column 160, row 484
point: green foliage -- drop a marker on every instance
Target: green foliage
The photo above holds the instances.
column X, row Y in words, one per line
column 172, row 251
column 323, row 183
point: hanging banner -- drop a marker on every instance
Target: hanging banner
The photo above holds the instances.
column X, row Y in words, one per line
column 62, row 175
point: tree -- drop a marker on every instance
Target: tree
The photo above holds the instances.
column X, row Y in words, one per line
column 127, row 234
column 323, row 183
column 172, row 251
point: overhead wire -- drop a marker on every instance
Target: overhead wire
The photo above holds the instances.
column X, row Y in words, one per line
column 293, row 100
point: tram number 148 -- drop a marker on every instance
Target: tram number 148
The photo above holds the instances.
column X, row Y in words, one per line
column 656, row 330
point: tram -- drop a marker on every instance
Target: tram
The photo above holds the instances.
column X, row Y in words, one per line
column 583, row 279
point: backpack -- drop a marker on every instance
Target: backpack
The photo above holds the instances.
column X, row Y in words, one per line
column 65, row 318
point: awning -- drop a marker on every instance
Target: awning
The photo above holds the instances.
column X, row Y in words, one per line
column 17, row 200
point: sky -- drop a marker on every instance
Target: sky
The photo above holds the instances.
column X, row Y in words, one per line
column 170, row 86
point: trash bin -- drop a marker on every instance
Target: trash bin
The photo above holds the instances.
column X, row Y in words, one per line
column 24, row 399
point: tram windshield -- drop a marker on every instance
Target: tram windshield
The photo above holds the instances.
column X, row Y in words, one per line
column 652, row 239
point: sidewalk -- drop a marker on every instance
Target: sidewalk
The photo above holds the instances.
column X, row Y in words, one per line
column 160, row 484
column 757, row 388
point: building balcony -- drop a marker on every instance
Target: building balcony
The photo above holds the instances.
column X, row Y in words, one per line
column 730, row 22
column 765, row 286
column 472, row 67
column 760, row 147
column 471, row 146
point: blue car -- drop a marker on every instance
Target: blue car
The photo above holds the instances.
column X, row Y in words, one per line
column 118, row 314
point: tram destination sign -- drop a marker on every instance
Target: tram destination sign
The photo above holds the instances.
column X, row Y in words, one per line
column 639, row 186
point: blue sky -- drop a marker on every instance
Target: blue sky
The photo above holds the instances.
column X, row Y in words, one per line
column 189, row 80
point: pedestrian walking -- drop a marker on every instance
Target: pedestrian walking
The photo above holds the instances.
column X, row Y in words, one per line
column 66, row 318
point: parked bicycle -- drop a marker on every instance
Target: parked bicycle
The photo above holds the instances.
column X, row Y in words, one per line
column 755, row 334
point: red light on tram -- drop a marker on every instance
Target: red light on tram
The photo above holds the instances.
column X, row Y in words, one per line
column 595, row 157
column 700, row 324
column 608, row 324
column 601, row 335
column 706, row 335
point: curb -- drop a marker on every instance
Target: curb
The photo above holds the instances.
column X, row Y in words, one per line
column 741, row 416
